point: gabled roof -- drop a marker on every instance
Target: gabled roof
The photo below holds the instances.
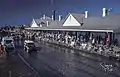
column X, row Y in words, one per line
column 56, row 24
column 33, row 23
column 43, row 21
column 109, row 22
column 78, row 17
column 93, row 23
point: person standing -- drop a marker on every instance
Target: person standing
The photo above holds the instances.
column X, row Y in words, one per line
column 2, row 50
column 7, row 51
column 93, row 41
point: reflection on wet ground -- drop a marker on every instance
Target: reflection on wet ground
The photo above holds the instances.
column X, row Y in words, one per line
column 56, row 61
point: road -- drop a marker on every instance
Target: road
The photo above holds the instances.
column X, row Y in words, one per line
column 15, row 67
column 55, row 61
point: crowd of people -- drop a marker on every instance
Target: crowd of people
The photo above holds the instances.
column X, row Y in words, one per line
column 92, row 43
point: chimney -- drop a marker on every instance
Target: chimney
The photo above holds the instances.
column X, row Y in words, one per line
column 109, row 11
column 86, row 14
column 54, row 12
column 44, row 16
column 52, row 17
column 60, row 17
column 47, row 23
column 104, row 12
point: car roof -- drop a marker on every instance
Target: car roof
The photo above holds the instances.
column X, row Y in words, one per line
column 28, row 41
column 7, row 38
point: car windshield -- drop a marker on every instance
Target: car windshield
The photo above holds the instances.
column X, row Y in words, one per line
column 30, row 44
column 8, row 41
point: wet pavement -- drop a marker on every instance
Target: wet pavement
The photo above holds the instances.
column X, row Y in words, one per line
column 55, row 61
column 15, row 67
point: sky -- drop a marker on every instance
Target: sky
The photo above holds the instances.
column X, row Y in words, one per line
column 18, row 12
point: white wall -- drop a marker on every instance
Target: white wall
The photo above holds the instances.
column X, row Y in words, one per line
column 33, row 24
column 71, row 21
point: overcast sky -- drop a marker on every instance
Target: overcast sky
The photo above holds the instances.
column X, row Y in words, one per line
column 15, row 12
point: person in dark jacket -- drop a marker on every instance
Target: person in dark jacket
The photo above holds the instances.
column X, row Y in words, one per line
column 7, row 51
column 1, row 50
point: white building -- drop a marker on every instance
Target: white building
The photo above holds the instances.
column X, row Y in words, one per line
column 42, row 22
column 82, row 22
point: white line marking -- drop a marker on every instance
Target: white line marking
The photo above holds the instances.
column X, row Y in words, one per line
column 28, row 64
column 10, row 73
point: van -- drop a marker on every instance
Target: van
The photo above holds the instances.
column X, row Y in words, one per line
column 8, row 42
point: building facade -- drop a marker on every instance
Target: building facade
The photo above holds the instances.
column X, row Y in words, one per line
column 106, row 26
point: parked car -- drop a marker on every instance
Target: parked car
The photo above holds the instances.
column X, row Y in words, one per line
column 9, row 43
column 29, row 46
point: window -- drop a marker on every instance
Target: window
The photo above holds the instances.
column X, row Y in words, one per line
column 8, row 41
column 30, row 44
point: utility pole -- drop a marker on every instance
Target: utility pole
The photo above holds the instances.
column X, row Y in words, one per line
column 53, row 9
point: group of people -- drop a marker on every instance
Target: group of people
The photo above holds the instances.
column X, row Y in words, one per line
column 4, row 51
column 67, row 38
column 99, row 43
